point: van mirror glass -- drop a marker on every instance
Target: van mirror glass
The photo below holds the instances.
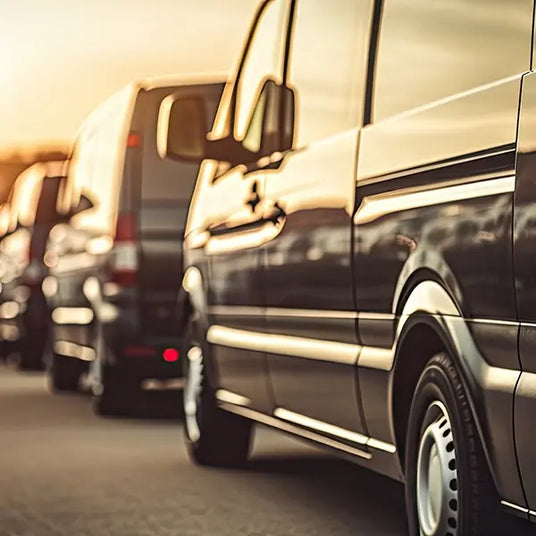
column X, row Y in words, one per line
column 182, row 128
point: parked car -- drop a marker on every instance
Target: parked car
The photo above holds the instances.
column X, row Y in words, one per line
column 115, row 269
column 28, row 216
column 408, row 349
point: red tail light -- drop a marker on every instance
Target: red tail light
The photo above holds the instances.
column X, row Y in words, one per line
column 133, row 140
column 125, row 251
column 170, row 355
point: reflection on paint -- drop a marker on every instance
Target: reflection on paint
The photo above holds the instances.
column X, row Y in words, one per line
column 72, row 315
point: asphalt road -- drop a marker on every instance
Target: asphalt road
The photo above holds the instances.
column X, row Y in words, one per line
column 64, row 471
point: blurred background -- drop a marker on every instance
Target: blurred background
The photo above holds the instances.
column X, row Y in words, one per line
column 59, row 59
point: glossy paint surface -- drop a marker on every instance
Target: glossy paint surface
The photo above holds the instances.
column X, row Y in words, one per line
column 525, row 264
column 357, row 238
column 116, row 164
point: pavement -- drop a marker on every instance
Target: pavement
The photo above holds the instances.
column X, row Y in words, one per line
column 64, row 471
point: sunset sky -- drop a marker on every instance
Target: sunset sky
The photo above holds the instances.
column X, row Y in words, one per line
column 60, row 58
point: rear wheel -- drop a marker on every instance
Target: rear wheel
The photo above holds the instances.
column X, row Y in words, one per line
column 32, row 349
column 115, row 394
column 213, row 436
column 449, row 488
column 65, row 373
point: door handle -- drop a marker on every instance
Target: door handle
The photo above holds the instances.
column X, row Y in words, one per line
column 275, row 213
column 254, row 198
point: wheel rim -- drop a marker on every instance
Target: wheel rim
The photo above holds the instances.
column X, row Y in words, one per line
column 437, row 479
column 192, row 392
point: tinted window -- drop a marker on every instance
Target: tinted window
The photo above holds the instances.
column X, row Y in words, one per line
column 327, row 68
column 430, row 50
column 263, row 59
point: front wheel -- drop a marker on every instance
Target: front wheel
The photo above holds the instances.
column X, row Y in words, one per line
column 213, row 436
column 449, row 488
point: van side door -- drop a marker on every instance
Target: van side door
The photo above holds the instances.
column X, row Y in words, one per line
column 436, row 183
column 310, row 316
column 225, row 226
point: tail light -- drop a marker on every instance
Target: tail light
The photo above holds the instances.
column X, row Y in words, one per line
column 125, row 251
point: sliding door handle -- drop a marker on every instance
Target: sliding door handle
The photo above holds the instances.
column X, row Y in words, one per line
column 275, row 213
column 254, row 198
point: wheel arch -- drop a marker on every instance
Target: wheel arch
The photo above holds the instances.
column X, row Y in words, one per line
column 430, row 322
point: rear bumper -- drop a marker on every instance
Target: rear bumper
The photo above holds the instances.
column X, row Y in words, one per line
column 135, row 350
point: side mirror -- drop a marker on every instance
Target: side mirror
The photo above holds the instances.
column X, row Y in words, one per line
column 271, row 126
column 182, row 128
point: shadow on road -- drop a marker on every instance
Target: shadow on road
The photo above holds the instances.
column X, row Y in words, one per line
column 339, row 487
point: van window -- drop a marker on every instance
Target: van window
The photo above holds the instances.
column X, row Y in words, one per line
column 429, row 50
column 264, row 59
column 327, row 67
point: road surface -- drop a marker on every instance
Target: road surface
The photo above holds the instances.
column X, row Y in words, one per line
column 63, row 471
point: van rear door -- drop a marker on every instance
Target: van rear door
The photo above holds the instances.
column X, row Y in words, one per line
column 165, row 189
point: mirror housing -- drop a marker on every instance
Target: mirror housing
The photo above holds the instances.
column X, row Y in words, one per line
column 182, row 128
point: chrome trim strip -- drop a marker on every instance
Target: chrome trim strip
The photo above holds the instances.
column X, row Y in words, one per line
column 376, row 206
column 232, row 398
column 333, row 430
column 376, row 316
column 381, row 445
column 444, row 165
column 491, row 321
column 239, row 240
column 235, row 310
column 320, row 426
column 515, row 507
column 337, row 352
column 245, row 310
column 377, row 358
column 287, row 427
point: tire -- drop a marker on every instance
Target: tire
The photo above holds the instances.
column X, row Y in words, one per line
column 214, row 437
column 31, row 351
column 65, row 373
column 116, row 394
column 449, row 488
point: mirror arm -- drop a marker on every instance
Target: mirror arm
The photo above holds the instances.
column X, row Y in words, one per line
column 229, row 150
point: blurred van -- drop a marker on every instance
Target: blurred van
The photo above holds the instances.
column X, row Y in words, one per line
column 115, row 268
column 26, row 219
column 359, row 252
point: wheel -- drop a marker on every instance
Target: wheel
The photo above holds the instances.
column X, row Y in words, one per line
column 64, row 373
column 115, row 394
column 213, row 436
column 31, row 350
column 449, row 488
